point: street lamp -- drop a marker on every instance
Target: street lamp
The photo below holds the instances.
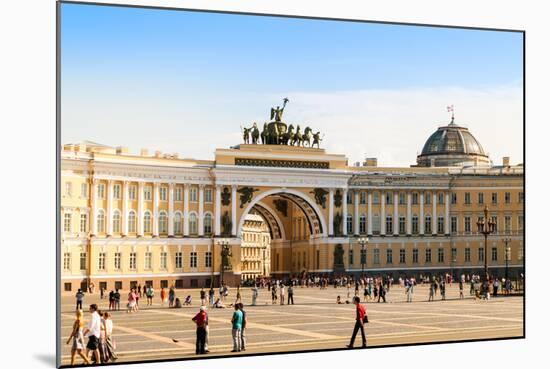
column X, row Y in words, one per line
column 363, row 241
column 226, row 254
column 508, row 253
column 486, row 226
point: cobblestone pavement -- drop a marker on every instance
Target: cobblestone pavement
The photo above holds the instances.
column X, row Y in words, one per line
column 314, row 322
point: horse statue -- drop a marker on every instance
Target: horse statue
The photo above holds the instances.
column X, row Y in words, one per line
column 273, row 134
column 306, row 137
column 263, row 135
column 287, row 136
column 255, row 133
column 297, row 139
column 316, row 139
column 246, row 135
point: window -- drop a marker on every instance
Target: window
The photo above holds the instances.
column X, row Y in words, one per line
column 480, row 198
column 440, row 255
column 133, row 260
column 494, row 219
column 207, row 224
column 402, row 256
column 83, row 190
column 376, row 256
column 453, row 254
column 193, row 260
column 67, row 286
column 116, row 192
column 100, row 221
column 362, row 224
column 147, row 193
column 415, row 198
column 415, row 224
column 428, row 198
column 132, row 192
column 163, row 223
column 440, row 225
column 148, row 260
column 208, row 259
column 389, row 256
column 179, row 260
column 467, row 255
column 101, row 261
column 83, row 261
column 83, row 223
column 376, row 198
column 520, row 252
column 402, row 225
column 363, row 257
column 350, row 256
column 428, row 224
column 389, row 198
column 68, row 189
column 193, row 228
column 415, row 256
column 177, row 224
column 454, row 225
column 428, row 255
column 507, row 224
column 349, row 224
column 163, row 193
column 67, row 222
column 117, row 260
column 389, row 224
column 163, row 260
column 467, row 225
column 402, row 198
column 494, row 198
column 494, row 254
column 520, row 223
column 67, row 261
column 208, row 195
column 362, row 197
column 453, row 198
column 132, row 222
column 348, row 197
column 147, row 222
column 177, row 194
column 440, row 198
column 376, row 224
column 507, row 197
column 480, row 254
column 101, row 191
column 467, row 198
column 116, row 221
column 520, row 197
column 193, row 194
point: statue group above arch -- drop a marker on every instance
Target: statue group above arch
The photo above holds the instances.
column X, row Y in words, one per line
column 277, row 132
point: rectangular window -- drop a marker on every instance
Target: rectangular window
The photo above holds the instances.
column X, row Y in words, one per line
column 362, row 225
column 494, row 219
column 376, row 198
column 453, row 198
column 193, row 194
column 480, row 198
column 208, row 259
column 163, row 260
column 208, row 195
column 428, row 255
column 177, row 194
column 83, row 190
column 389, row 225
column 415, row 198
column 118, row 260
column 348, row 198
column 480, row 254
column 68, row 286
column 453, row 254
column 467, row 198
column 101, row 261
column 494, row 198
column 494, row 254
column 148, row 260
column 83, row 260
column 415, row 256
column 402, row 198
column 467, row 255
column 454, row 225
column 440, row 199
column 440, row 225
column 428, row 225
column 389, row 198
column 428, row 198
column 68, row 189
column 376, row 256
column 101, row 191
column 147, row 193
column 350, row 257
column 389, row 256
column 362, row 197
column 132, row 192
column 67, row 261
column 402, row 256
column 507, row 224
column 415, row 225
column 440, row 255
column 83, row 223
column 467, row 225
column 179, row 260
column 520, row 223
column 116, row 192
column 507, row 197
column 520, row 197
column 133, row 261
column 402, row 225
column 67, row 222
column 163, row 194
column 193, row 260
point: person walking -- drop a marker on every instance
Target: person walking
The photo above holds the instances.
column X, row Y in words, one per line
column 238, row 296
column 432, row 291
column 290, row 294
column 150, row 293
column 171, row 297
column 254, row 295
column 200, row 321
column 211, row 296
column 273, row 295
column 203, row 297
column 409, row 288
column 79, row 298
column 360, row 320
column 108, row 337
column 461, row 289
column 282, row 294
column 243, row 328
column 162, row 296
column 112, row 300
column 93, row 332
column 442, row 289
column 77, row 338
column 117, row 300
column 236, row 325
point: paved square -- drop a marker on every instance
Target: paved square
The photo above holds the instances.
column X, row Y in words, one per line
column 314, row 322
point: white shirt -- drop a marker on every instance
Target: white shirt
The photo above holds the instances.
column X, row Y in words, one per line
column 108, row 327
column 94, row 325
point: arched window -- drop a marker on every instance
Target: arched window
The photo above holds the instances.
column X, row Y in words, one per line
column 132, row 222
column 163, row 223
column 147, row 222
column 349, row 224
column 116, row 221
column 207, row 224
column 100, row 221
column 177, row 224
column 193, row 229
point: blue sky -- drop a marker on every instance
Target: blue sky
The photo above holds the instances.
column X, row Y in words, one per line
column 160, row 74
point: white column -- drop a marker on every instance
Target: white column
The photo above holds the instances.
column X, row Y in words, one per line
column 434, row 213
column 369, row 213
column 356, row 212
column 331, row 212
column 93, row 221
column 201, row 210
column 382, row 213
column 447, row 220
column 109, row 212
column 124, row 215
column 186, row 209
column 396, row 213
column 171, row 186
column 140, row 210
column 421, row 214
column 217, row 212
column 345, row 212
column 156, row 209
column 409, row 213
column 233, row 210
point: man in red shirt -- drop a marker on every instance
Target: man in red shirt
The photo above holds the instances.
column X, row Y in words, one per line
column 200, row 320
column 360, row 320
